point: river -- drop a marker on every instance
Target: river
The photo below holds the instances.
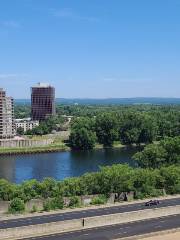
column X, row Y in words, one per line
column 60, row 165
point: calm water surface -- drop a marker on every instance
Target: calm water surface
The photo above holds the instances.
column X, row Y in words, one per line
column 60, row 165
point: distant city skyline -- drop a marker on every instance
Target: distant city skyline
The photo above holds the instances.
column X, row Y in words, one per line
column 91, row 49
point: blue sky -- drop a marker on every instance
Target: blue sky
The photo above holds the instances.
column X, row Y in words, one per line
column 91, row 48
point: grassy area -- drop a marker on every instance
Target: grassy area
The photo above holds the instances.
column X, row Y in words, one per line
column 115, row 145
column 55, row 147
column 36, row 137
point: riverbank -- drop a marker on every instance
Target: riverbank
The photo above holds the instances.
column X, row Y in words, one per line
column 55, row 147
column 40, row 149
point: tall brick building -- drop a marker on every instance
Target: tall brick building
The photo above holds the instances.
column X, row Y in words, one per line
column 42, row 101
column 7, row 129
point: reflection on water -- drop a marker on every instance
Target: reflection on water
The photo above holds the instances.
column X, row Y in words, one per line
column 60, row 165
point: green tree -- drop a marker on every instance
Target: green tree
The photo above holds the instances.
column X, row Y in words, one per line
column 130, row 128
column 48, row 188
column 82, row 139
column 171, row 179
column 167, row 152
column 7, row 190
column 153, row 156
column 172, row 147
column 117, row 178
column 107, row 129
column 30, row 189
column 82, row 135
column 146, row 183
column 149, row 129
column 137, row 128
column 16, row 206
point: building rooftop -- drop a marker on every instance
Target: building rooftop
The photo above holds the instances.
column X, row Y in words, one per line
column 22, row 120
column 42, row 85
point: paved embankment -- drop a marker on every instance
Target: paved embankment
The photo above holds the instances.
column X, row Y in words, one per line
column 92, row 222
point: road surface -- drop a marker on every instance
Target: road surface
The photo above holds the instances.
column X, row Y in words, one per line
column 118, row 231
column 82, row 214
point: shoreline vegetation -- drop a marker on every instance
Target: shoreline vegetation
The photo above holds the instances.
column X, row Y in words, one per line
column 58, row 147
column 117, row 179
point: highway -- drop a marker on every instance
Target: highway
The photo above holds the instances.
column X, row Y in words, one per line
column 82, row 214
column 118, row 231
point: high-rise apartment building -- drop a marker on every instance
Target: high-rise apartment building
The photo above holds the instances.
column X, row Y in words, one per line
column 7, row 129
column 42, row 101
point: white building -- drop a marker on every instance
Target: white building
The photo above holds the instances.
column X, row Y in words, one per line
column 6, row 116
column 26, row 124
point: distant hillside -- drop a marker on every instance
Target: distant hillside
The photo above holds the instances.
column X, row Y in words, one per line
column 109, row 101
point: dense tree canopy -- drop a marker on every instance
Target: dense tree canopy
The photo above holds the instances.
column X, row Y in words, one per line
column 129, row 128
column 82, row 135
column 152, row 156
column 82, row 139
column 166, row 152
column 107, row 129
column 137, row 128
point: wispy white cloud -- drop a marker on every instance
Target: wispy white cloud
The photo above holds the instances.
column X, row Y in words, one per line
column 13, row 76
column 10, row 24
column 126, row 80
column 68, row 13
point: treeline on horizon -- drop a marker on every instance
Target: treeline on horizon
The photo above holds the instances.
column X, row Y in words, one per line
column 24, row 110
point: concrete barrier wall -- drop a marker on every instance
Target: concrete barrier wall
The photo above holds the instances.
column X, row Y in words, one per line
column 40, row 229
column 38, row 203
column 130, row 216
column 24, row 143
column 4, row 206
column 77, row 224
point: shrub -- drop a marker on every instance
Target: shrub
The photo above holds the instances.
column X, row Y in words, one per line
column 74, row 201
column 16, row 206
column 101, row 199
column 52, row 204
column 58, row 203
column 47, row 206
column 34, row 209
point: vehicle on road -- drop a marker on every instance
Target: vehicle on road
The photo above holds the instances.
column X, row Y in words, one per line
column 152, row 203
